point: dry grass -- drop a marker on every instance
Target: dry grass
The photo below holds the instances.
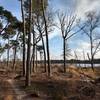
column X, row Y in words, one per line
column 60, row 86
column 8, row 97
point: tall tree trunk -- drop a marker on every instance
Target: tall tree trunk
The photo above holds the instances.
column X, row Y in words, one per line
column 32, row 68
column 92, row 57
column 28, row 82
column 47, row 40
column 84, row 59
column 15, row 51
column 44, row 54
column 14, row 60
column 42, row 45
column 64, row 52
column 33, row 58
column 33, row 50
column 8, row 54
column 36, row 61
column 24, row 50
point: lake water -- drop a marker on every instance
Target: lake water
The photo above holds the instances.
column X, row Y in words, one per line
column 87, row 65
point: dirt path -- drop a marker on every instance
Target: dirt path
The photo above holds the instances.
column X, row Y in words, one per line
column 10, row 91
column 6, row 91
column 19, row 94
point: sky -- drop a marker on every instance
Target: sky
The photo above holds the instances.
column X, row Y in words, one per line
column 77, row 43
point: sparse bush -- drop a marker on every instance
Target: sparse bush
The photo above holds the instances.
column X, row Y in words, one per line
column 74, row 98
column 88, row 91
column 59, row 92
column 69, row 74
column 97, row 80
column 17, row 76
column 60, row 70
column 34, row 94
column 58, row 95
column 31, row 95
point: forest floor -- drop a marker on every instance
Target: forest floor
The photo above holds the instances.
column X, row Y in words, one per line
column 74, row 85
column 6, row 90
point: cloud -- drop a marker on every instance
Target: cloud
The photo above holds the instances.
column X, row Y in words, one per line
column 78, row 6
column 79, row 46
column 97, row 55
column 84, row 45
column 84, row 6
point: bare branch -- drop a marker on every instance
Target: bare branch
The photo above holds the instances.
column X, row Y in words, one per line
column 84, row 31
column 96, row 49
column 75, row 33
column 4, row 28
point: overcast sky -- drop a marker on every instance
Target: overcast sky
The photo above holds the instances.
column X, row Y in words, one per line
column 80, row 7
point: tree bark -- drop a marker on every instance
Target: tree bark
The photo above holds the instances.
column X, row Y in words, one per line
column 33, row 50
column 36, row 61
column 64, row 52
column 47, row 41
column 44, row 54
column 41, row 35
column 14, row 60
column 33, row 59
column 15, row 51
column 24, row 49
column 28, row 82
column 92, row 57
column 8, row 54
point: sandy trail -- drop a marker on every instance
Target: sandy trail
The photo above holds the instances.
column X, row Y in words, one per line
column 6, row 91
column 19, row 94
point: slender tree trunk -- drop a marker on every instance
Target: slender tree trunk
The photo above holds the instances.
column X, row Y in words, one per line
column 33, row 50
column 33, row 69
column 36, row 61
column 84, row 60
column 24, row 50
column 33, row 54
column 92, row 57
column 8, row 54
column 14, row 60
column 40, row 55
column 15, row 51
column 64, row 52
column 43, row 46
column 92, row 63
column 33, row 58
column 28, row 82
column 47, row 40
column 44, row 54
